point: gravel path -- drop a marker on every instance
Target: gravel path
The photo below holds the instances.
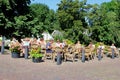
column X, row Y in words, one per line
column 25, row 69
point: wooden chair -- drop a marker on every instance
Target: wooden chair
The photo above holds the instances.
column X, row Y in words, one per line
column 92, row 52
column 88, row 53
column 69, row 54
column 56, row 51
column 109, row 51
column 77, row 53
column 48, row 54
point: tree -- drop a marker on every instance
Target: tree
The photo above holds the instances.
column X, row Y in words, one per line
column 44, row 19
column 9, row 9
column 71, row 15
column 104, row 20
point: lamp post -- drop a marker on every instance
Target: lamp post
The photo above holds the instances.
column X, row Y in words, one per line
column 2, row 45
column 113, row 53
column 59, row 56
column 26, row 52
column 26, row 46
column 99, row 54
column 83, row 55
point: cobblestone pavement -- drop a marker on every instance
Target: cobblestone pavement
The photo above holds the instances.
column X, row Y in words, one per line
column 25, row 69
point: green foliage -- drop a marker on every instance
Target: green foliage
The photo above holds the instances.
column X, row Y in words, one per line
column 35, row 52
column 73, row 17
column 15, row 49
column 10, row 13
column 104, row 22
column 44, row 19
column 69, row 42
column 36, row 55
column 58, row 37
column 23, row 26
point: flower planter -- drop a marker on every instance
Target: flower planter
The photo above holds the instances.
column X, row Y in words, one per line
column 37, row 60
column 15, row 55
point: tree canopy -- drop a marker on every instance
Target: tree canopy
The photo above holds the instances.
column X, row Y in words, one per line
column 13, row 15
column 76, row 19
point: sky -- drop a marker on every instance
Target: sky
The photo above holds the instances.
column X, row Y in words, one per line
column 52, row 4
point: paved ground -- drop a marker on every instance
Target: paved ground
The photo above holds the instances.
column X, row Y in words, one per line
column 22, row 69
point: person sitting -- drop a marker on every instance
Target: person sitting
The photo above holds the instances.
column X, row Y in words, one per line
column 78, row 46
column 42, row 44
column 64, row 43
column 58, row 44
column 49, row 49
column 91, row 46
column 58, row 47
column 49, row 46
column 114, row 48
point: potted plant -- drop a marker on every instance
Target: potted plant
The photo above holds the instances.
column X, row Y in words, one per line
column 36, row 55
column 15, row 51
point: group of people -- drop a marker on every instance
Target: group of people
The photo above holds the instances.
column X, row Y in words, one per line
column 44, row 45
column 99, row 50
column 51, row 44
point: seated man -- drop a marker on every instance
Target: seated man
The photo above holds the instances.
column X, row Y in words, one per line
column 78, row 46
column 64, row 43
column 42, row 44
column 49, row 50
column 113, row 46
column 49, row 46
column 91, row 46
column 115, row 49
column 58, row 44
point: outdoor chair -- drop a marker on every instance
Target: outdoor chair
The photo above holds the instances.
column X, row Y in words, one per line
column 69, row 54
column 112, row 50
column 92, row 52
column 48, row 54
column 77, row 53
column 88, row 53
column 57, row 50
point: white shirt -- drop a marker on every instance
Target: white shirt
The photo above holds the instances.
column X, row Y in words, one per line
column 26, row 43
column 112, row 47
column 102, row 47
column 58, row 44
